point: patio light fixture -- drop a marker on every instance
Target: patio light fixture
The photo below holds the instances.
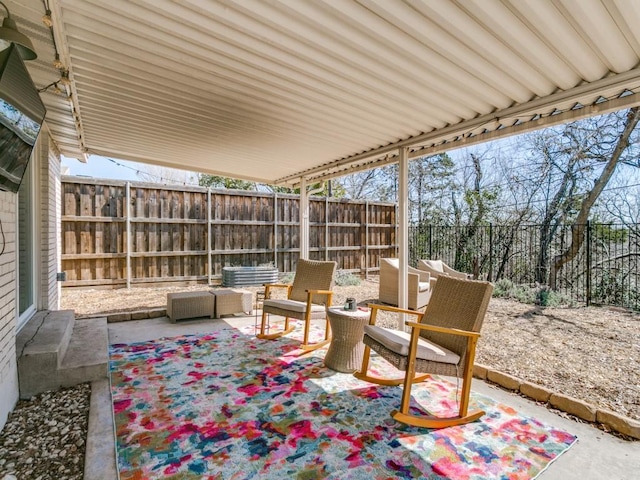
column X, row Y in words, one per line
column 9, row 34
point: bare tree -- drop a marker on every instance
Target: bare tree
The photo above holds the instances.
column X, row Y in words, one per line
column 375, row 184
column 620, row 144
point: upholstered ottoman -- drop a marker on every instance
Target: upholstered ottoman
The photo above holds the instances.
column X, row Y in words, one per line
column 183, row 305
column 231, row 300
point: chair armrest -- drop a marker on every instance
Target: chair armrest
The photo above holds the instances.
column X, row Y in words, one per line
column 424, row 276
column 412, row 281
column 269, row 286
column 322, row 292
column 455, row 273
column 375, row 307
column 311, row 293
column 423, row 267
column 433, row 328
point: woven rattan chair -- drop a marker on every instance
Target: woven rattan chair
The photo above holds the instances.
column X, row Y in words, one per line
column 419, row 285
column 437, row 268
column 307, row 299
column 442, row 342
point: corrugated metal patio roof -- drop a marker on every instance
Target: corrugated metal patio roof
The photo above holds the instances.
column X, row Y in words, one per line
column 271, row 90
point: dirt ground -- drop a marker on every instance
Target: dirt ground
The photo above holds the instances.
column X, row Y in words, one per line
column 590, row 353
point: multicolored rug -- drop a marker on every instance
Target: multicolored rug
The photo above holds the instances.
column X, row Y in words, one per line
column 228, row 406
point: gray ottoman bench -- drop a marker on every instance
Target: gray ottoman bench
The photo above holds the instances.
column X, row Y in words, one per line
column 183, row 305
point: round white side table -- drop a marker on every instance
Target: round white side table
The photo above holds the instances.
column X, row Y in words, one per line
column 347, row 330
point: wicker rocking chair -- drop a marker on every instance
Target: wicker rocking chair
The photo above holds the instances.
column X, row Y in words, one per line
column 442, row 342
column 307, row 299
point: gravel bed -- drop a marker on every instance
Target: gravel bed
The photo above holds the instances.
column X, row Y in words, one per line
column 44, row 437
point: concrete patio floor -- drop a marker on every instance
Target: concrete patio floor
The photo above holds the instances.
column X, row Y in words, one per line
column 596, row 455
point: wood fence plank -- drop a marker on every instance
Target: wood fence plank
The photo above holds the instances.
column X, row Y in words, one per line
column 170, row 240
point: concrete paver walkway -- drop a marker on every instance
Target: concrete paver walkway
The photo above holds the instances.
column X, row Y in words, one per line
column 597, row 455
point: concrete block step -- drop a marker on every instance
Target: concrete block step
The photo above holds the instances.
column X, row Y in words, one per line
column 40, row 348
column 87, row 356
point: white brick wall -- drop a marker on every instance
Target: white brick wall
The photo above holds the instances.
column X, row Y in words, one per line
column 8, row 308
column 47, row 171
column 49, row 226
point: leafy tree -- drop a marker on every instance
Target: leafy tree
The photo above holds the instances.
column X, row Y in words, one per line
column 215, row 181
column 429, row 178
column 478, row 201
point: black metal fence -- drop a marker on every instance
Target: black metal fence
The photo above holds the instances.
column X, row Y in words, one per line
column 604, row 271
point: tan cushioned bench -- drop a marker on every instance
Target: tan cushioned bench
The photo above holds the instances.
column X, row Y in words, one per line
column 231, row 300
column 182, row 305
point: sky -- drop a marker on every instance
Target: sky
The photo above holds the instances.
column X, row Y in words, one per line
column 116, row 169
column 101, row 167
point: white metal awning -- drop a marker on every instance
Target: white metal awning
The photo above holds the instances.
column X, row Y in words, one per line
column 273, row 90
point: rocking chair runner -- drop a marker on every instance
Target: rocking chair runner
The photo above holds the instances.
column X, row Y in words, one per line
column 307, row 299
column 442, row 341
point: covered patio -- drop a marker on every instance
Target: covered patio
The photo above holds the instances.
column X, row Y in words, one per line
column 596, row 454
column 295, row 93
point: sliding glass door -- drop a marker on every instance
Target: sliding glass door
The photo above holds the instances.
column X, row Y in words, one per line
column 27, row 278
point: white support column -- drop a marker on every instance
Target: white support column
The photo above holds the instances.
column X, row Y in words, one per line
column 127, row 213
column 275, row 229
column 304, row 219
column 209, row 242
column 403, row 229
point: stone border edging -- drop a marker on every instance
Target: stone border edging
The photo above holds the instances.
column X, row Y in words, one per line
column 127, row 316
column 573, row 406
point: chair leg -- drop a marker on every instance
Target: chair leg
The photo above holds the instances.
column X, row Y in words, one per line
column 327, row 329
column 310, row 347
column 272, row 336
column 430, row 421
column 363, row 374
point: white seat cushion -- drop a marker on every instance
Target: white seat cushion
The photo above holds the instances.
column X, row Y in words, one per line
column 292, row 305
column 423, row 286
column 398, row 341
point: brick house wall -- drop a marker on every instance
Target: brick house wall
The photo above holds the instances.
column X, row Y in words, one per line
column 49, row 226
column 46, row 168
column 8, row 305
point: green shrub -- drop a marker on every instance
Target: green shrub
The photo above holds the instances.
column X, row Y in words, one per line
column 503, row 288
column 525, row 294
column 287, row 277
column 344, row 278
column 557, row 299
column 539, row 295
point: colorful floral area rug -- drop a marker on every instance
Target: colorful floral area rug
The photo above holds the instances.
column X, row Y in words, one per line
column 226, row 405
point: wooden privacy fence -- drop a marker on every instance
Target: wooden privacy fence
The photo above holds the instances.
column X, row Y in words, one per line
column 117, row 233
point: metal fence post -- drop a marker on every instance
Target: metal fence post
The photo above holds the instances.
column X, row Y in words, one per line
column 490, row 274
